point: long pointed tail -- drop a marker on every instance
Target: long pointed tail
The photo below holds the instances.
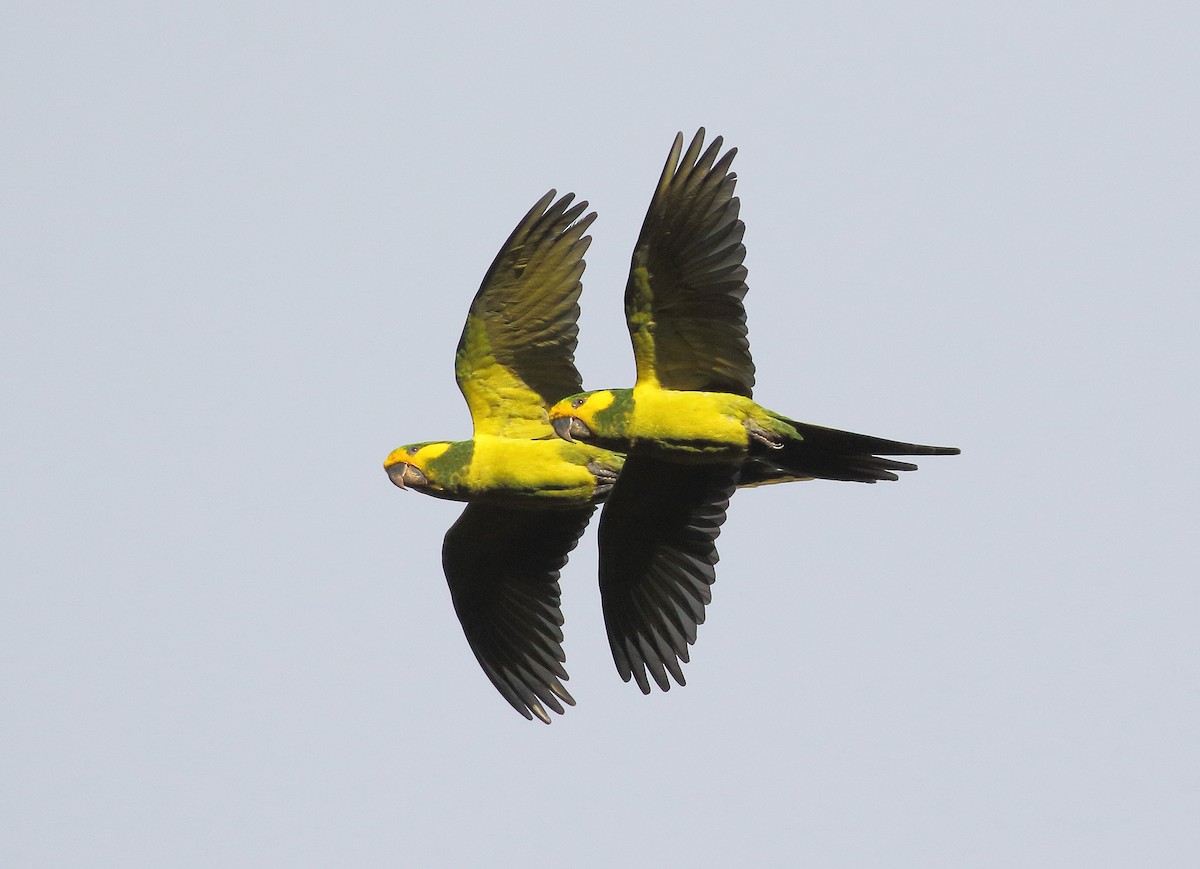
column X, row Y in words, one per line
column 830, row 454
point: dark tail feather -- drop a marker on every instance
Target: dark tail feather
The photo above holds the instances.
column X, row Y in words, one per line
column 830, row 454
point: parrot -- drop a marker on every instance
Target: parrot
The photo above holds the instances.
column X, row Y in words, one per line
column 529, row 494
column 689, row 425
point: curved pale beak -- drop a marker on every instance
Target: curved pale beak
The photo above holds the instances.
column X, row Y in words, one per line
column 404, row 475
column 570, row 427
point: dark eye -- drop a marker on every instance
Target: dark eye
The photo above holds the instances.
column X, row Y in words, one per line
column 412, row 451
column 578, row 402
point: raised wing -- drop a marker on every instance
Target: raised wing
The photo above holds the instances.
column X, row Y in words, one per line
column 516, row 356
column 658, row 549
column 503, row 565
column 683, row 301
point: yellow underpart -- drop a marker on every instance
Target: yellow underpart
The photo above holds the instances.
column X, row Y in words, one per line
column 710, row 422
column 541, row 466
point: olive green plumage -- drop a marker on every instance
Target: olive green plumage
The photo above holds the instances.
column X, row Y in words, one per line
column 689, row 425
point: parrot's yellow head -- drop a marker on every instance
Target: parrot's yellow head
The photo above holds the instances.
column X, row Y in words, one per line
column 600, row 417
column 409, row 467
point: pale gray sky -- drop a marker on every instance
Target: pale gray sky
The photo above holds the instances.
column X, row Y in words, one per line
column 238, row 245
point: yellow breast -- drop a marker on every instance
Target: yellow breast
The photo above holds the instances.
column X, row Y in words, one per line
column 698, row 424
column 528, row 468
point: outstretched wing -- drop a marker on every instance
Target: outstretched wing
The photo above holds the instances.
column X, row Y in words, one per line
column 503, row 565
column 683, row 301
column 516, row 356
column 658, row 549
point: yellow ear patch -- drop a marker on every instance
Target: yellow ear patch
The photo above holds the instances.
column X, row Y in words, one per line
column 428, row 453
column 598, row 401
column 415, row 455
column 587, row 410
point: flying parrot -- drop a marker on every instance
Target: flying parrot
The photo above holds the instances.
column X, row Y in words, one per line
column 689, row 425
column 530, row 495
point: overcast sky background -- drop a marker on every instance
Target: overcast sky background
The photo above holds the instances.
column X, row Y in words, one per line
column 237, row 247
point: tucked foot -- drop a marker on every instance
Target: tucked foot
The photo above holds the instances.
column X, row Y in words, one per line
column 764, row 437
